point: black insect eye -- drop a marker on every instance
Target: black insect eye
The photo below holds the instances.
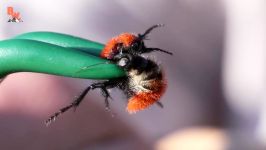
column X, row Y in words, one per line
column 135, row 46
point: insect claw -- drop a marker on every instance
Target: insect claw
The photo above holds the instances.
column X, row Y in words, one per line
column 159, row 104
column 48, row 122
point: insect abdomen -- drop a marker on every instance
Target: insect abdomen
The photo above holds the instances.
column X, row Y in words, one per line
column 142, row 100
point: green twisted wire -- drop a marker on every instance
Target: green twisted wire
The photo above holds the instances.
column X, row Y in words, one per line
column 57, row 54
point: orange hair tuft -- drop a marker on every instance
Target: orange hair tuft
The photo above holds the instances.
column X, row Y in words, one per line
column 125, row 38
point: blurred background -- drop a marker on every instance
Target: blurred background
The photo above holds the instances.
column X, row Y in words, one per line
column 216, row 97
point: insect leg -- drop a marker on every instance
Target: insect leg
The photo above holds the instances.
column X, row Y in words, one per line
column 78, row 100
column 74, row 104
column 106, row 95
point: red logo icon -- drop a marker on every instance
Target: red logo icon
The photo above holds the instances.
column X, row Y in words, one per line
column 13, row 16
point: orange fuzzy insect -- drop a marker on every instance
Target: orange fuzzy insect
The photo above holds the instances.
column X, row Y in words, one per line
column 144, row 83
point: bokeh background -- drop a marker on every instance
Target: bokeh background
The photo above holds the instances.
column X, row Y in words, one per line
column 215, row 99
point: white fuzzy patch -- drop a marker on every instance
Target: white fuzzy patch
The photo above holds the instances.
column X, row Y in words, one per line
column 137, row 82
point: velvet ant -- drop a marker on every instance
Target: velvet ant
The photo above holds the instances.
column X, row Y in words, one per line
column 144, row 83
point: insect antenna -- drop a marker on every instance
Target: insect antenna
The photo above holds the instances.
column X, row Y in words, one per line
column 158, row 49
column 143, row 36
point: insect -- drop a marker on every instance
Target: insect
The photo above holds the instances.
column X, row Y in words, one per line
column 144, row 83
